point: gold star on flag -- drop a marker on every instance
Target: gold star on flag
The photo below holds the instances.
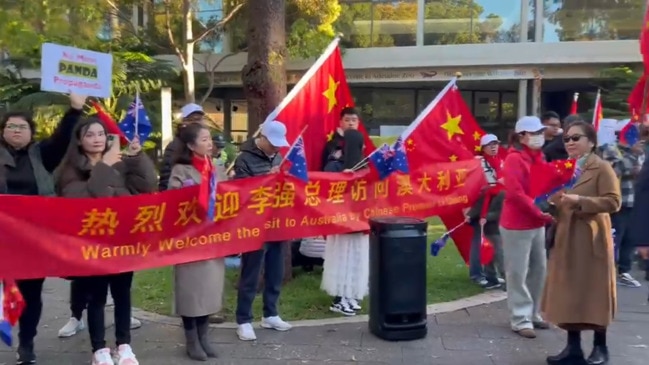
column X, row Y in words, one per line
column 477, row 148
column 410, row 145
column 477, row 136
column 330, row 136
column 452, row 125
column 568, row 165
column 330, row 93
column 453, row 158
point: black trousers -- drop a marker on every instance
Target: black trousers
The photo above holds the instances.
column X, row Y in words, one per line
column 78, row 298
column 97, row 289
column 31, row 291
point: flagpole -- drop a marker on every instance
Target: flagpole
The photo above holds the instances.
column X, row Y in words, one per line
column 298, row 87
column 597, row 103
column 137, row 113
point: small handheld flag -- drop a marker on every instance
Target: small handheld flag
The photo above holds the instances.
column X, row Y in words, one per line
column 439, row 243
column 136, row 122
column 297, row 159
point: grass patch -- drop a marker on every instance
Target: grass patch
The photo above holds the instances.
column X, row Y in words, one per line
column 447, row 279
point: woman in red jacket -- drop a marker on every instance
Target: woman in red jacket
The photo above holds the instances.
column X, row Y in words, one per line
column 522, row 227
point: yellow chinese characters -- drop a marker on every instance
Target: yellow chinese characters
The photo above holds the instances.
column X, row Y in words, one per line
column 404, row 187
column 284, row 195
column 261, row 199
column 424, row 183
column 460, row 177
column 336, row 192
column 381, row 189
column 187, row 213
column 227, row 205
column 99, row 223
column 312, row 193
column 149, row 218
column 447, row 180
column 359, row 190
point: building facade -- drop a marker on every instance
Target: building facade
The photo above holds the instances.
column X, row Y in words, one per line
column 517, row 57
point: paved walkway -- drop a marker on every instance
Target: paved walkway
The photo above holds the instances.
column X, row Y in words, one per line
column 477, row 335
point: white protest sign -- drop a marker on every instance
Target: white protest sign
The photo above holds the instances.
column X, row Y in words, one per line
column 606, row 132
column 68, row 69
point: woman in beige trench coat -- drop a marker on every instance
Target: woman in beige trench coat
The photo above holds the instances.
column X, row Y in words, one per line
column 580, row 288
column 198, row 285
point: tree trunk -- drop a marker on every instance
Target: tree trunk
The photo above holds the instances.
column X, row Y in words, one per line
column 188, row 49
column 264, row 76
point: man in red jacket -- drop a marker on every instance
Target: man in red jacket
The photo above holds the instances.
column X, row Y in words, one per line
column 522, row 227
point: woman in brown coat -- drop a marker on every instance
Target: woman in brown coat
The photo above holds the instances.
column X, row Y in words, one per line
column 94, row 167
column 580, row 288
column 198, row 285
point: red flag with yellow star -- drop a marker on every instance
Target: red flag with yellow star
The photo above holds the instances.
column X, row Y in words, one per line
column 317, row 100
column 444, row 131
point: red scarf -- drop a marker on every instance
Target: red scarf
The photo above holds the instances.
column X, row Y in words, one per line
column 202, row 164
column 496, row 163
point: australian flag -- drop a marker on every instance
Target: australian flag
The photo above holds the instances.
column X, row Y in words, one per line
column 297, row 159
column 388, row 159
column 136, row 116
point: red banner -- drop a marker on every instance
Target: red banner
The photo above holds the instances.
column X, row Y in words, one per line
column 78, row 237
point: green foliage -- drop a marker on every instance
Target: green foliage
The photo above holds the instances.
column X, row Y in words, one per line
column 616, row 83
column 586, row 20
column 309, row 26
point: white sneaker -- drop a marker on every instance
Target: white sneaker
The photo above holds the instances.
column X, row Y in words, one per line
column 246, row 332
column 627, row 280
column 71, row 328
column 353, row 304
column 135, row 323
column 275, row 323
column 102, row 357
column 109, row 300
column 124, row 356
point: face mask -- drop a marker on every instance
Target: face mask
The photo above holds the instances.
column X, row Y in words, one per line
column 535, row 142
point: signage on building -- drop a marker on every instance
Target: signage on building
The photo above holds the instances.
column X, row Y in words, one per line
column 406, row 75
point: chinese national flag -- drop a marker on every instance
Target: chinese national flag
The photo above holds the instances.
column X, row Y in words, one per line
column 574, row 108
column 598, row 114
column 316, row 101
column 445, row 131
column 546, row 177
column 12, row 302
column 644, row 38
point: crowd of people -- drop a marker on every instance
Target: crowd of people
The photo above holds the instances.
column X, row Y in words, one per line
column 560, row 259
column 557, row 261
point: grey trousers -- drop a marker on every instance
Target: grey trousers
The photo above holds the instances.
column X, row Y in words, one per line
column 525, row 269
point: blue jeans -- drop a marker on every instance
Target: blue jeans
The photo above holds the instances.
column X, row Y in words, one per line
column 272, row 257
column 490, row 271
column 623, row 245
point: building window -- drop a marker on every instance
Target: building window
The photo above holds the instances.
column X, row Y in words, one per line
column 591, row 20
column 378, row 23
column 472, row 21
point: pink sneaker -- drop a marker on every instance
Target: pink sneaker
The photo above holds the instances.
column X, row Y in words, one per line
column 102, row 357
column 125, row 356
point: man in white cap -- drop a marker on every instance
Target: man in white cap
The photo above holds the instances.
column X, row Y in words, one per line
column 190, row 113
column 260, row 156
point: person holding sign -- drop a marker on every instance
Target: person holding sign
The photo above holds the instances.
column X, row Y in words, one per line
column 94, row 167
column 25, row 169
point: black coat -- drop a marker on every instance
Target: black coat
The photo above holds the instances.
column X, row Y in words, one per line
column 555, row 150
column 638, row 227
column 167, row 163
column 254, row 162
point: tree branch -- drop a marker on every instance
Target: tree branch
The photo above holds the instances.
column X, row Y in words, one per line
column 218, row 24
column 212, row 73
column 170, row 35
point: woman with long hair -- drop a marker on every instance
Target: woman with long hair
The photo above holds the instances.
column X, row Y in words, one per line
column 580, row 292
column 198, row 285
column 346, row 258
column 26, row 168
column 94, row 167
column 522, row 228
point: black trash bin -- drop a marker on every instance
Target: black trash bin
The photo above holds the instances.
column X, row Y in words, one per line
column 398, row 278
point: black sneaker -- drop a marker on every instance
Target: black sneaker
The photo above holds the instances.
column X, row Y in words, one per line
column 342, row 307
column 25, row 356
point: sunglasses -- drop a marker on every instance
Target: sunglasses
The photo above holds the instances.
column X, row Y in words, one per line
column 574, row 138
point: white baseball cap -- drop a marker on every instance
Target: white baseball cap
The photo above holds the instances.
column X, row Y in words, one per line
column 530, row 124
column 488, row 138
column 190, row 109
column 275, row 133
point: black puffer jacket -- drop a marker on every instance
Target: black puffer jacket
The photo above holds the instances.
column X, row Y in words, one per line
column 555, row 150
column 167, row 163
column 252, row 161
